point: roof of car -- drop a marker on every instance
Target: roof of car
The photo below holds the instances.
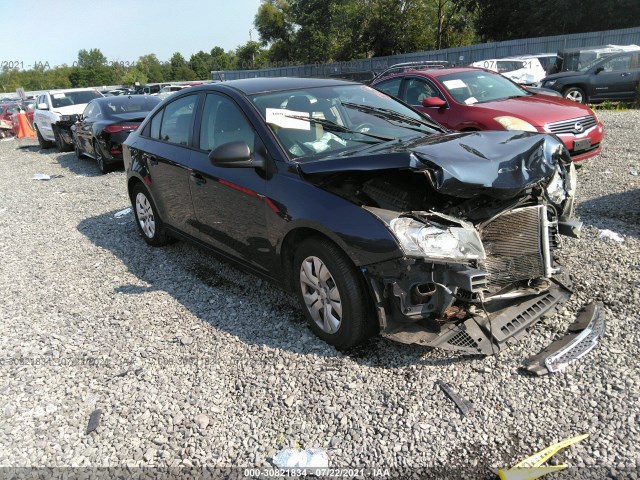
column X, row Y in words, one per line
column 436, row 72
column 250, row 86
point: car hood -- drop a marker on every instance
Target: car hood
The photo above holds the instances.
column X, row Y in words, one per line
column 536, row 109
column 70, row 109
column 565, row 74
column 464, row 165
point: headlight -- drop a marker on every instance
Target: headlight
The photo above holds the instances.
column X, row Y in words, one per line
column 556, row 190
column 65, row 118
column 513, row 123
column 448, row 243
column 550, row 83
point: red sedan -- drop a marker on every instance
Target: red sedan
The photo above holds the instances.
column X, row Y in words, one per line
column 476, row 99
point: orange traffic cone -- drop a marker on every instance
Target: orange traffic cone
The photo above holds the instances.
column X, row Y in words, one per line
column 24, row 129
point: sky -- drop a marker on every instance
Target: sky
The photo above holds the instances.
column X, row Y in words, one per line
column 53, row 31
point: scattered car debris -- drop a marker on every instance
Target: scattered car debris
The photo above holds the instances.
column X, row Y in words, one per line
column 44, row 176
column 611, row 235
column 582, row 338
column 464, row 405
column 94, row 420
column 297, row 458
column 531, row 467
column 122, row 213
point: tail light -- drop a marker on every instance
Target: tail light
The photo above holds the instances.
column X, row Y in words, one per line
column 120, row 128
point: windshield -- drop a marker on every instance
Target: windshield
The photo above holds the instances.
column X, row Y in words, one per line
column 65, row 99
column 326, row 121
column 479, row 87
column 115, row 106
column 503, row 66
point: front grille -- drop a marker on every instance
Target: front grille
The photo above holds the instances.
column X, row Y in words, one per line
column 575, row 126
column 514, row 247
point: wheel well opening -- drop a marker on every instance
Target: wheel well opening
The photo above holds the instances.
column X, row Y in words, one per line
column 133, row 181
column 288, row 250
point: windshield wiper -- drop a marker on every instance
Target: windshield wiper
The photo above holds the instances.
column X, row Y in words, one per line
column 334, row 127
column 392, row 115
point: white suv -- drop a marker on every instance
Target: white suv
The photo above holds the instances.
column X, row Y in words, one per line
column 525, row 69
column 56, row 111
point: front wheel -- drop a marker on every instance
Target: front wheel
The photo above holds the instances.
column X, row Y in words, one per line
column 60, row 143
column 147, row 219
column 576, row 94
column 333, row 294
column 41, row 141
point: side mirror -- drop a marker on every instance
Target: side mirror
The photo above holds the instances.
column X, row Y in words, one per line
column 598, row 70
column 43, row 106
column 235, row 155
column 433, row 102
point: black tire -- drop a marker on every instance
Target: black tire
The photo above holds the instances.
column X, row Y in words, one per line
column 41, row 141
column 76, row 147
column 576, row 94
column 144, row 209
column 102, row 165
column 60, row 143
column 357, row 322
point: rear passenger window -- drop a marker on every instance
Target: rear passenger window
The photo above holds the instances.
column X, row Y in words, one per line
column 176, row 120
column 155, row 125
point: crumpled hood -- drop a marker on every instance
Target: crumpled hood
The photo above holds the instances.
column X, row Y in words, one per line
column 76, row 109
column 500, row 164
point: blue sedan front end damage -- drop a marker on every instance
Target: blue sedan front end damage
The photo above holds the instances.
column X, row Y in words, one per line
column 480, row 270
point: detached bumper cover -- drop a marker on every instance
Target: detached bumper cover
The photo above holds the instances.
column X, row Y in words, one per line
column 583, row 337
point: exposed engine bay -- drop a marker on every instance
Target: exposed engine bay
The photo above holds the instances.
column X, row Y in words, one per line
column 478, row 234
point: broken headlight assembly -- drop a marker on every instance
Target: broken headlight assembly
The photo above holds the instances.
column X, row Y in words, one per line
column 420, row 239
column 562, row 187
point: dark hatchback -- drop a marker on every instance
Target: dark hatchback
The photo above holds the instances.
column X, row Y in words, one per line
column 375, row 216
column 105, row 123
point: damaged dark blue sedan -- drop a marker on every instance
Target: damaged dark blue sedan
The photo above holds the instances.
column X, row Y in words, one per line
column 381, row 221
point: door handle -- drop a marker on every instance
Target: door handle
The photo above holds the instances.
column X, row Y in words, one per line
column 152, row 160
column 198, row 179
column 626, row 74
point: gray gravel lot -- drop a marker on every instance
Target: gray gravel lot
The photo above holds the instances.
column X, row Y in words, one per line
column 195, row 363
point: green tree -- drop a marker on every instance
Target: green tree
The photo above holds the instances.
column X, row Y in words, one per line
column 91, row 69
column 250, row 56
column 201, row 63
column 151, row 68
column 177, row 63
column 132, row 76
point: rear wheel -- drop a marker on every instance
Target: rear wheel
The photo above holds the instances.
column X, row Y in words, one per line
column 100, row 158
column 149, row 223
column 576, row 94
column 333, row 294
column 79, row 153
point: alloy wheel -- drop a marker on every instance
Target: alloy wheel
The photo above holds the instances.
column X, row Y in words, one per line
column 145, row 216
column 321, row 294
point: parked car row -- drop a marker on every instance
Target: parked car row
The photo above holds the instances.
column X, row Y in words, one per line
column 378, row 218
column 472, row 99
column 584, row 75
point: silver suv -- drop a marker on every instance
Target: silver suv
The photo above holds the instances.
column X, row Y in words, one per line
column 56, row 111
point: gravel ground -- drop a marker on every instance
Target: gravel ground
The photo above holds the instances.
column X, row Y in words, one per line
column 194, row 363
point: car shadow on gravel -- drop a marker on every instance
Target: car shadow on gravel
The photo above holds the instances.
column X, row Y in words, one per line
column 86, row 167
column 619, row 212
column 243, row 305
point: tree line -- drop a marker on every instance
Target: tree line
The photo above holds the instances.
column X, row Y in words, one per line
column 309, row 31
